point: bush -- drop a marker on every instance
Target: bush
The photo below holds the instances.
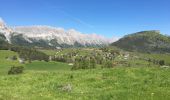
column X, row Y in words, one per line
column 16, row 70
column 14, row 58
column 108, row 64
column 84, row 63
column 161, row 62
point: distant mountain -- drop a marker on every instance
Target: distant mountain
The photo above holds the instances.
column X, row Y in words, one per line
column 145, row 41
column 50, row 37
column 2, row 38
column 5, row 30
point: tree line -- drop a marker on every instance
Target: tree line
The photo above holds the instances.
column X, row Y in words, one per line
column 26, row 53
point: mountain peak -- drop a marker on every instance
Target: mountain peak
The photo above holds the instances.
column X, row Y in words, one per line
column 5, row 30
column 149, row 32
column 2, row 23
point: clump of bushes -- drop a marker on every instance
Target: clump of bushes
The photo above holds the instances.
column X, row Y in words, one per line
column 157, row 62
column 161, row 62
column 15, row 70
column 84, row 63
column 108, row 64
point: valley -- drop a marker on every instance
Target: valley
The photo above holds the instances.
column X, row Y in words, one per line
column 40, row 62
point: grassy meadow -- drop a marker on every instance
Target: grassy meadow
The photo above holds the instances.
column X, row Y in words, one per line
column 6, row 63
column 47, row 66
column 106, row 84
column 50, row 80
column 165, row 57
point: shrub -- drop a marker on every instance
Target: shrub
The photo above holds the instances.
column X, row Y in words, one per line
column 92, row 63
column 108, row 64
column 161, row 62
column 14, row 58
column 16, row 70
column 84, row 63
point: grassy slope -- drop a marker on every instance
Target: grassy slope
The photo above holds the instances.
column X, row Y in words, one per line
column 106, row 84
column 145, row 41
column 41, row 81
column 4, row 63
column 165, row 57
column 35, row 65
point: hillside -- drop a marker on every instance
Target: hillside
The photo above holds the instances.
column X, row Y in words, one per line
column 145, row 41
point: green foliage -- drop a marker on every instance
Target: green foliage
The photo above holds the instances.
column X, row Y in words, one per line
column 26, row 53
column 16, row 70
column 42, row 80
column 84, row 63
column 108, row 64
column 29, row 53
column 14, row 57
column 49, row 52
column 92, row 62
column 5, row 63
column 161, row 62
column 157, row 57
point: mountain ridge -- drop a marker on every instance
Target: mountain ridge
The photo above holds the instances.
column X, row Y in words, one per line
column 52, row 36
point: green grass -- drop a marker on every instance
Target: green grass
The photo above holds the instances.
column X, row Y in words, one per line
column 35, row 65
column 165, row 57
column 6, row 64
column 48, row 66
column 43, row 81
column 107, row 84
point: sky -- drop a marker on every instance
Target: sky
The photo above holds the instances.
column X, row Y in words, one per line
column 110, row 18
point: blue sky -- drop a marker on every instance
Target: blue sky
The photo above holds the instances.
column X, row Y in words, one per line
column 105, row 17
